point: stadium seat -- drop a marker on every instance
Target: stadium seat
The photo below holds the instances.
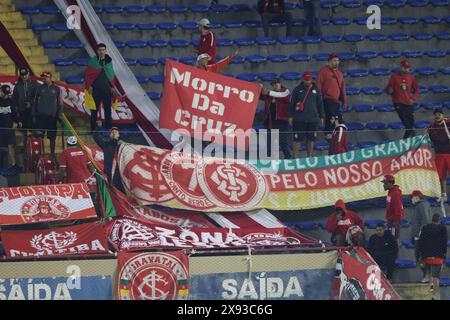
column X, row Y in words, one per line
column 154, row 95
column 372, row 224
column 405, row 264
column 232, row 25
column 224, row 42
column 422, row 124
column 98, row 10
column 321, row 56
column 238, row 60
column 445, row 70
column 384, row 107
column 362, row 108
column 148, row 62
column 358, row 73
column 350, row 4
column 167, row 26
column 396, row 125
column 157, row 43
column 332, row 39
column 120, row 44
column 155, row 9
column 407, row 243
column 136, row 44
column 390, row 54
column 371, row 90
column 379, row 3
column 299, row 57
column 376, row 37
column 311, row 39
column 178, row 9
column 353, row 38
column 412, row 54
column 354, row 126
column 130, row 62
column 445, row 221
column 346, row 56
column 422, row 36
column 29, row 10
column 179, row 43
column 50, row 10
column 399, row 36
column 341, row 21
column 298, row 22
column 240, row 7
column 366, row 144
column 360, row 21
column 405, row 224
column 290, row 76
column 323, row 224
column 73, row 44
column 351, row 91
column 244, row 42
column 219, row 8
column 446, row 104
column 247, row 77
column 60, row 27
column 367, row 54
column 267, row 76
column 135, row 9
column 253, row 24
column 75, row 80
column 328, row 4
column 265, row 41
column 380, row 72
column 277, row 58
column 159, row 78
column 113, row 9
column 63, row 62
column 425, row 71
column 306, row 226
column 142, row 79
column 199, row 8
column 108, row 26
column 255, row 58
column 375, row 126
column 125, row 26
column 321, row 146
column 395, row 3
column 82, row 62
column 443, row 35
column 388, row 21
column 215, row 25
column 288, row 40
column 408, row 20
column 440, row 3
column 188, row 60
column 378, row 203
column 431, row 20
column 439, row 89
column 146, row 26
column 40, row 27
column 418, row 3
column 435, row 53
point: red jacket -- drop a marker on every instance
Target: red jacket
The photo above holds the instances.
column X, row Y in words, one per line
column 217, row 67
column 281, row 107
column 274, row 6
column 350, row 219
column 403, row 88
column 208, row 45
column 331, row 83
column 439, row 137
column 338, row 143
column 394, row 205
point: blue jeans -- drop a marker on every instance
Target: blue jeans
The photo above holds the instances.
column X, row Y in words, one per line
column 312, row 16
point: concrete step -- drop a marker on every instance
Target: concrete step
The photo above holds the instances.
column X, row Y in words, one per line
column 26, row 51
column 5, row 8
column 10, row 16
column 20, row 34
column 20, row 24
column 31, row 59
column 8, row 70
column 413, row 291
column 5, row 2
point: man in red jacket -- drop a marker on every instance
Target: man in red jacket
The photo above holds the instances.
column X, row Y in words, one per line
column 207, row 40
column 440, row 136
column 330, row 82
column 276, row 109
column 394, row 205
column 338, row 142
column 403, row 88
column 273, row 11
column 341, row 222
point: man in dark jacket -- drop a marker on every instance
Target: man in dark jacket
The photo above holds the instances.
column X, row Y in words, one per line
column 341, row 222
column 23, row 96
column 383, row 248
column 276, row 114
column 110, row 146
column 305, row 111
column 273, row 11
column 47, row 108
column 433, row 249
column 9, row 119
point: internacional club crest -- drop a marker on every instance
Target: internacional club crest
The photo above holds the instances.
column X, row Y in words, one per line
column 231, row 184
column 269, row 239
column 139, row 168
column 153, row 276
column 127, row 233
column 53, row 241
column 44, row 209
column 178, row 169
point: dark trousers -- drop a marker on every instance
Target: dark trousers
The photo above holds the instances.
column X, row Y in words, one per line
column 406, row 115
column 312, row 16
column 331, row 109
column 99, row 97
column 268, row 17
column 283, row 128
column 387, row 265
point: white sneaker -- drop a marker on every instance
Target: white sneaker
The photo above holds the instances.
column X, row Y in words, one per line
column 425, row 280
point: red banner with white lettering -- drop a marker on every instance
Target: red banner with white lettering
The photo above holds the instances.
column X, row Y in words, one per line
column 358, row 277
column 88, row 238
column 132, row 234
column 200, row 101
column 153, row 276
column 59, row 202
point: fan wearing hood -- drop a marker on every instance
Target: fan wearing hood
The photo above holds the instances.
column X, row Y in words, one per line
column 345, row 224
column 338, row 142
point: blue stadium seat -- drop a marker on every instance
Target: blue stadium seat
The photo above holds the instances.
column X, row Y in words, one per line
column 416, row 106
column 199, row 8
column 346, row 56
column 378, row 202
column 407, row 243
column 445, row 70
column 63, row 62
column 75, row 80
column 134, row 9
column 412, row 54
column 408, row 20
column 244, row 42
column 351, row 91
column 178, row 9
column 231, row 25
column 154, row 95
column 155, row 9
column 362, row 108
column 130, row 62
column 266, row 41
column 390, row 54
column 399, row 36
column 73, row 44
column 380, row 72
column 388, row 21
column 219, row 8
column 350, row 4
column 146, row 26
column 376, row 126
column 290, row 76
column 224, row 42
column 82, row 62
column 108, row 26
column 120, row 44
column 445, row 221
column 405, row 224
column 396, row 125
column 125, row 26
column 253, row 24
column 321, row 146
column 60, row 27
column 195, row 42
column 148, row 61
column 367, row 54
column 162, row 60
column 267, row 76
column 321, row 56
column 247, row 77
column 323, row 224
column 384, row 107
column 425, row 71
column 179, row 43
column 405, row 264
column 289, row 6
column 238, row 60
column 288, row 40
column 332, row 39
column 29, row 10
column 435, row 53
column 158, row 78
column 142, row 79
column 167, row 26
column 40, row 27
column 298, row 22
column 442, row 36
column 371, row 90
column 157, row 43
column 50, row 10
column 113, row 9
column 306, row 226
column 422, row 36
column 328, row 4
column 379, row 3
column 188, row 60
column 360, row 21
column 446, row 105
column 215, row 25
column 341, row 21
column 278, row 58
column 358, row 73
column 366, row 144
column 444, row 282
column 136, row 44
column 395, row 3
column 311, row 39
column 431, row 20
column 372, row 224
column 240, row 7
column 354, row 126
column 440, row 3
column 98, row 10
column 376, row 37
column 256, row 58
column 439, row 89
column 422, row 124
column 353, row 38
column 299, row 57
column 447, row 262
column 52, row 44
column 418, row 3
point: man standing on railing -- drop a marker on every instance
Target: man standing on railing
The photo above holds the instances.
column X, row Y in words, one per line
column 404, row 90
column 312, row 16
column 273, row 11
column 207, row 41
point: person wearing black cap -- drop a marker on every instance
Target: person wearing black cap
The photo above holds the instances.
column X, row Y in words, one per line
column 47, row 108
column 276, row 114
column 9, row 119
column 23, row 96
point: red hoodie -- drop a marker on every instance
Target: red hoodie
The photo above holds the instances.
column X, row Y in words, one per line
column 338, row 143
column 208, row 45
column 394, row 205
column 400, row 87
column 330, row 83
column 281, row 106
column 341, row 227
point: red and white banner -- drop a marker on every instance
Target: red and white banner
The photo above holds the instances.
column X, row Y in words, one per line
column 88, row 238
column 131, row 234
column 358, row 277
column 202, row 101
column 260, row 218
column 73, row 98
column 153, row 276
column 59, row 202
